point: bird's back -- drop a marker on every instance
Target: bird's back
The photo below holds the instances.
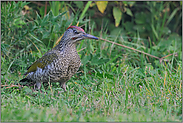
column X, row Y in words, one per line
column 57, row 66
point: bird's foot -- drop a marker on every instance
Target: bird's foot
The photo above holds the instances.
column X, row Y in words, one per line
column 59, row 92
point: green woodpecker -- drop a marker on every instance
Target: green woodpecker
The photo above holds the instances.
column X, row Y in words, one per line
column 60, row 63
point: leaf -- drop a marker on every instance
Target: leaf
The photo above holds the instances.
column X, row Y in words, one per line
column 154, row 31
column 117, row 15
column 84, row 11
column 166, row 30
column 79, row 4
column 67, row 15
column 38, row 17
column 18, row 22
column 128, row 26
column 140, row 18
column 140, row 28
column 130, row 3
column 55, row 6
column 116, row 31
column 46, row 35
column 172, row 15
column 102, row 5
column 92, row 4
column 27, row 7
column 129, row 12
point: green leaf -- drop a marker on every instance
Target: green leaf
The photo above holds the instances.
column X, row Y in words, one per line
column 55, row 6
column 79, row 4
column 140, row 18
column 46, row 35
column 58, row 16
column 129, row 12
column 116, row 31
column 128, row 26
column 117, row 15
column 166, row 30
column 85, row 9
column 140, row 28
column 172, row 15
column 19, row 22
column 154, row 31
column 131, row 3
column 101, row 5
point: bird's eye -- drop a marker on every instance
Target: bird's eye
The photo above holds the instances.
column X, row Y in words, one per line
column 75, row 32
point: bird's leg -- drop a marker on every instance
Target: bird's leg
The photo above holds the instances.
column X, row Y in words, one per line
column 34, row 86
column 38, row 84
column 64, row 86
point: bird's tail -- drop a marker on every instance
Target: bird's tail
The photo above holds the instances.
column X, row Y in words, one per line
column 26, row 82
column 23, row 80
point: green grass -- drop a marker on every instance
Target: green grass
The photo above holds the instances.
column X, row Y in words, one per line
column 113, row 83
column 124, row 97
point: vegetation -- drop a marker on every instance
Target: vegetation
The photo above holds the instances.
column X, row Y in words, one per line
column 114, row 83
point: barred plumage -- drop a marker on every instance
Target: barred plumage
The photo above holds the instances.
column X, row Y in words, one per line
column 60, row 63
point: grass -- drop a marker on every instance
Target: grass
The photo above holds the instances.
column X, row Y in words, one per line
column 113, row 84
column 124, row 97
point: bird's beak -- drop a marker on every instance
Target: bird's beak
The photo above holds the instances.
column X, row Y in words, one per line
column 90, row 36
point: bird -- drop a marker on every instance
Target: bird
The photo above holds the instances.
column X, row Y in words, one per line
column 60, row 63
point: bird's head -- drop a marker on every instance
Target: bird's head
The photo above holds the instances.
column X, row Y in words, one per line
column 75, row 33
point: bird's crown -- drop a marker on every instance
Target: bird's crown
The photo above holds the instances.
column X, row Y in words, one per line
column 74, row 34
column 76, row 27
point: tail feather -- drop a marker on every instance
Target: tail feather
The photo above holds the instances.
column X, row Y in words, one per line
column 26, row 82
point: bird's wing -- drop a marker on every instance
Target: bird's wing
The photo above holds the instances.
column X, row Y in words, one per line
column 42, row 62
